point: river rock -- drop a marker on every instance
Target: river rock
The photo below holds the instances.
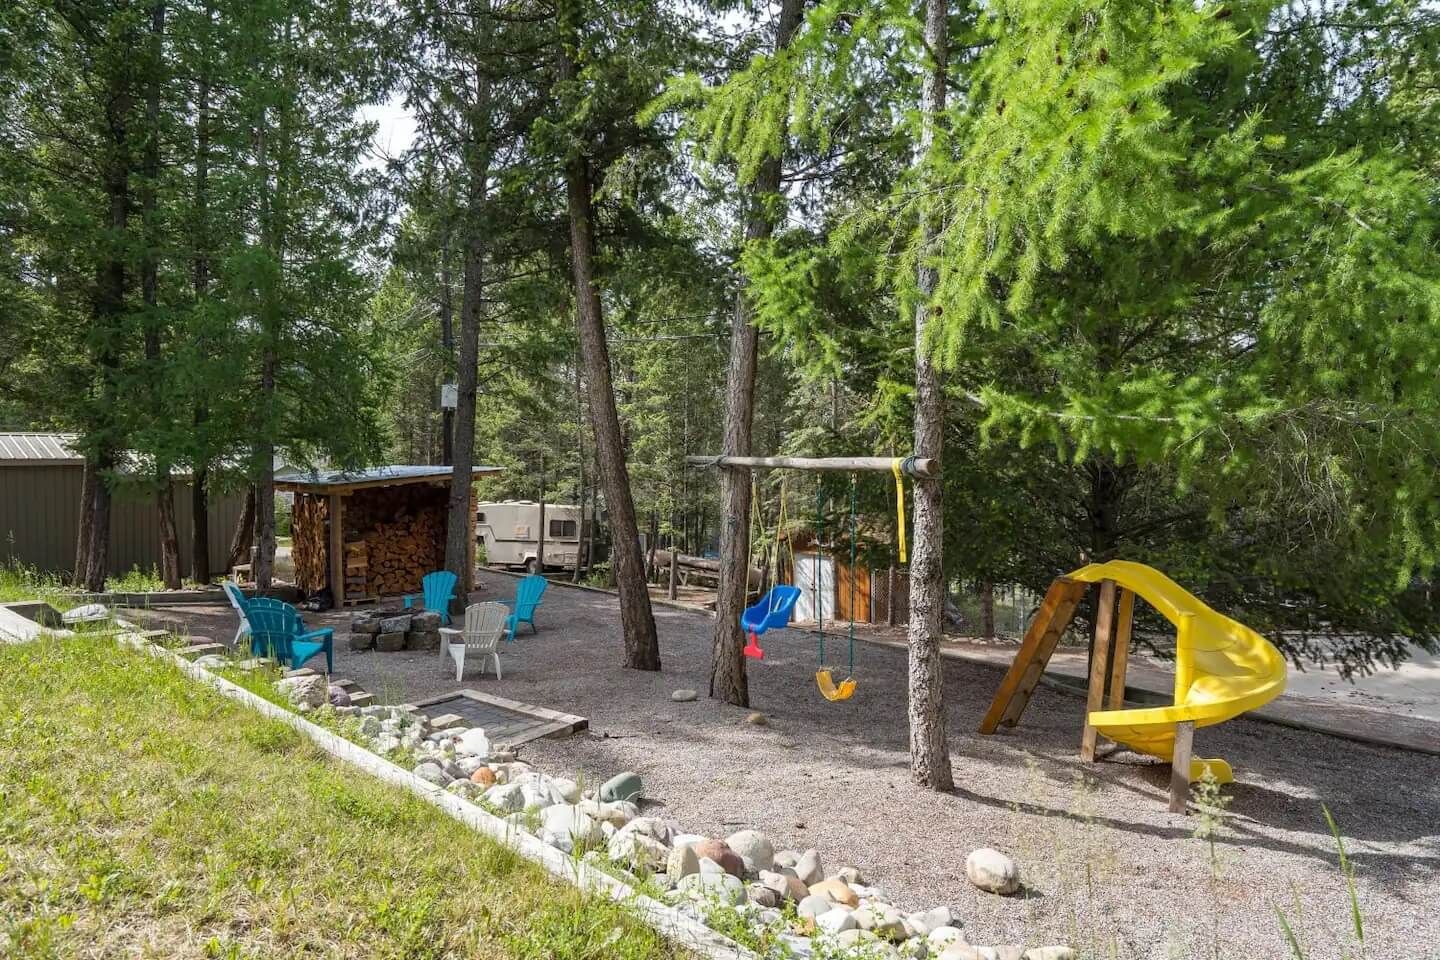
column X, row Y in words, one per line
column 884, row 920
column 991, row 870
column 849, row 939
column 1010, row 953
column 568, row 790
column 761, row 895
column 389, row 642
column 964, row 951
column 506, row 797
column 433, row 773
column 484, row 776
column 809, row 868
column 720, row 853
column 753, row 848
column 562, row 819
column 361, row 641
column 1049, row 953
column 713, row 886
column 836, row 920
column 942, row 937
column 927, row 921
column 684, row 696
column 622, row 786
column 682, row 862
column 850, row 875
column 785, row 885
column 305, row 693
column 812, row 905
column 425, row 620
column 656, row 828
column 837, row 891
column 637, row 851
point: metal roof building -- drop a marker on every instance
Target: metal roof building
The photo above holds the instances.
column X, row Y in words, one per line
column 40, row 480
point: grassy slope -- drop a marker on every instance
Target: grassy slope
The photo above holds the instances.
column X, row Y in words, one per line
column 143, row 815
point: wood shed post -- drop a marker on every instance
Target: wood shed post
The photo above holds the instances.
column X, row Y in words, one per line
column 337, row 550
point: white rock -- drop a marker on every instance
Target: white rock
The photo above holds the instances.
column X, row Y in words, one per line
column 682, row 862
column 709, row 866
column 1049, row 953
column 568, row 790
column 432, row 773
column 964, row 951
column 383, row 745
column 713, row 886
column 506, row 796
column 468, row 765
column 850, row 875
column 786, row 858
column 211, row 661
column 753, row 848
column 941, row 937
column 991, row 870
column 836, row 920
column 813, row 905
column 656, row 828
column 473, row 742
column 637, row 850
column 564, row 818
column 86, row 613
column 686, row 839
column 928, row 921
column 809, row 868
column 305, row 692
column 683, row 695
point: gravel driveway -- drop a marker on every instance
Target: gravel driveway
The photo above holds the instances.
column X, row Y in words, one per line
column 1106, row 867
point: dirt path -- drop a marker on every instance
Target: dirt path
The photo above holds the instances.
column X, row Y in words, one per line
column 1106, row 866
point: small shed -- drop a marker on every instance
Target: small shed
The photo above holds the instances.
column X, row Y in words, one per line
column 40, row 480
column 367, row 534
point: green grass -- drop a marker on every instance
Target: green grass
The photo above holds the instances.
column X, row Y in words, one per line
column 19, row 583
column 142, row 814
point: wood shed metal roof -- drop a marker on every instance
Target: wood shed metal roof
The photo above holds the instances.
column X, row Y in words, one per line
column 19, row 448
column 343, row 481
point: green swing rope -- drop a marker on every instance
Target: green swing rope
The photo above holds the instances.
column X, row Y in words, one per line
column 819, row 541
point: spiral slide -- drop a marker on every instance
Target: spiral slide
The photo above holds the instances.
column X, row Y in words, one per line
column 1222, row 668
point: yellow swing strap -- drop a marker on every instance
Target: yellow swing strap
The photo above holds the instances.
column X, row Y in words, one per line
column 899, row 504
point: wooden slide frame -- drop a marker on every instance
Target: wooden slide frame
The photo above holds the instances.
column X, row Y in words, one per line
column 1109, row 659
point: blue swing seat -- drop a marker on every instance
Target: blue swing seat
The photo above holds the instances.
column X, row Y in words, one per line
column 772, row 611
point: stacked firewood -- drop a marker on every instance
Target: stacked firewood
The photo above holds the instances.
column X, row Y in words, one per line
column 309, row 547
column 400, row 532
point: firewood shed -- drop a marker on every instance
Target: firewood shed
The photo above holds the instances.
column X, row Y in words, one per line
column 374, row 533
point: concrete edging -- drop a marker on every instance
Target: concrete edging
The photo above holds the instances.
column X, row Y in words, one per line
column 663, row 918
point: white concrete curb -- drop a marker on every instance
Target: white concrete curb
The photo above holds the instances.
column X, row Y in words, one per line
column 665, row 919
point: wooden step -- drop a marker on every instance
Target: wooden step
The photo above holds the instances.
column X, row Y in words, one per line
column 301, row 672
column 361, row 699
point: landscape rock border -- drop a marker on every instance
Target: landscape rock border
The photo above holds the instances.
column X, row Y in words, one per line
column 686, row 931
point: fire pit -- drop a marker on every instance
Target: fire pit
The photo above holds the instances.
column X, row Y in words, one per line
column 393, row 630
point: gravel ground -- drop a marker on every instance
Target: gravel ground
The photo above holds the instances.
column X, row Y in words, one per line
column 1106, row 867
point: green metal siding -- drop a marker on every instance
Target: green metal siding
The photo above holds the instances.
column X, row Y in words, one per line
column 40, row 514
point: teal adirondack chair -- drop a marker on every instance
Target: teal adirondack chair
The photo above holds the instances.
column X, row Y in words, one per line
column 238, row 601
column 439, row 589
column 522, row 609
column 276, row 629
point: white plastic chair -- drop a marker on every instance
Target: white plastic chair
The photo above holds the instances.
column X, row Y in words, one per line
column 237, row 600
column 484, row 626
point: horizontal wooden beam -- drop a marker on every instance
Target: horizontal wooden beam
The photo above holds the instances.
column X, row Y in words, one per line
column 923, row 468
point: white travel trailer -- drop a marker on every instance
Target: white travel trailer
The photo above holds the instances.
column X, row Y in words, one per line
column 510, row 533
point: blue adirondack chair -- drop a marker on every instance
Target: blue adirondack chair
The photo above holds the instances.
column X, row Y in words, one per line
column 522, row 609
column 439, row 589
column 276, row 629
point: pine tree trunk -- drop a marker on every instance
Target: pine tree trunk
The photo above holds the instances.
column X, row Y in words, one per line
column 642, row 646
column 264, row 569
column 460, row 520
column 728, row 681
column 244, row 536
column 200, row 275
column 446, row 304
column 929, row 752
column 82, row 531
column 149, row 293
column 579, row 468
column 200, row 524
column 98, row 556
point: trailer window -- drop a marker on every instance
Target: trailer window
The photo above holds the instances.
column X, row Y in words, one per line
column 480, row 518
column 563, row 529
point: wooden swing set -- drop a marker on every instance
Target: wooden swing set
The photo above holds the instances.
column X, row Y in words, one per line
column 774, row 610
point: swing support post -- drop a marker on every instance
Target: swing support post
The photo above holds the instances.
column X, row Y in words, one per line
column 921, row 468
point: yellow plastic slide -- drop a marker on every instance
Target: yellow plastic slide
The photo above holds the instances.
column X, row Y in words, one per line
column 1222, row 668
